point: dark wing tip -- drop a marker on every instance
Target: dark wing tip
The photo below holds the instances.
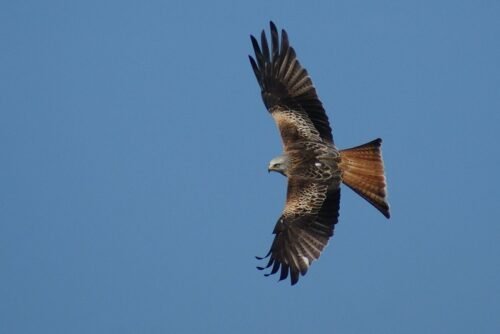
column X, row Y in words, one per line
column 273, row 26
column 284, row 40
column 256, row 47
column 255, row 69
column 284, row 272
column 265, row 46
column 263, row 257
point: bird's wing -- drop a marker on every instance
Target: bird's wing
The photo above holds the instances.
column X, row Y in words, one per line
column 287, row 90
column 304, row 228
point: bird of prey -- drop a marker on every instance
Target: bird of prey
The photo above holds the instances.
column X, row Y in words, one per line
column 315, row 168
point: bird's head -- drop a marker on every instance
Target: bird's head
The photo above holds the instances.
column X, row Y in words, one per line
column 279, row 164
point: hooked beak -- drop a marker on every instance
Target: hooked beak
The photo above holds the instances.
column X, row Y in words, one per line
column 274, row 169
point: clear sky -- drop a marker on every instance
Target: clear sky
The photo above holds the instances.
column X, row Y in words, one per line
column 134, row 146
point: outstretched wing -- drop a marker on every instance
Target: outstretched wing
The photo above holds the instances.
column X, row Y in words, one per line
column 287, row 90
column 304, row 228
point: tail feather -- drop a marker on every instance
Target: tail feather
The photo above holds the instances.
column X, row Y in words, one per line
column 363, row 171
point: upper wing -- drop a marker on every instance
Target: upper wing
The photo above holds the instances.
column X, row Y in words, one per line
column 287, row 90
column 304, row 228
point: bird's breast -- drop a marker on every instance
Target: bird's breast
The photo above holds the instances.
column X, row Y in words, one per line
column 314, row 161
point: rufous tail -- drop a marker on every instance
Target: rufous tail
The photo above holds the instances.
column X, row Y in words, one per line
column 363, row 171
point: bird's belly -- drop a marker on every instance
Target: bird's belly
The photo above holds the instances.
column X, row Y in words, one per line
column 320, row 163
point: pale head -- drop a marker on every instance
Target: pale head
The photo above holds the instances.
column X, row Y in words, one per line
column 279, row 164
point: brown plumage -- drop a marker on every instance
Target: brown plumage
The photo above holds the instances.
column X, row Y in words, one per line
column 311, row 162
column 363, row 171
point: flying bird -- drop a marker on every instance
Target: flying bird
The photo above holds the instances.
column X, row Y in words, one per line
column 313, row 165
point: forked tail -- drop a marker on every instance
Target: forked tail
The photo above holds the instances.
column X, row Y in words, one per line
column 363, row 171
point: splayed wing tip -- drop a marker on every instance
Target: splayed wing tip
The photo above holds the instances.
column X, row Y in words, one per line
column 263, row 257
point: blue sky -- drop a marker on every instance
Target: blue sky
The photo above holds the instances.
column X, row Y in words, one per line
column 134, row 148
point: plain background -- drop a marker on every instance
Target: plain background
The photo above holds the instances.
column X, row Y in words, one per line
column 134, row 145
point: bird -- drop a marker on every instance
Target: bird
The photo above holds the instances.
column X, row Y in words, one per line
column 314, row 167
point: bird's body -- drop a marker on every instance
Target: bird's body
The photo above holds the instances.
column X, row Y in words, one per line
column 315, row 168
column 314, row 161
